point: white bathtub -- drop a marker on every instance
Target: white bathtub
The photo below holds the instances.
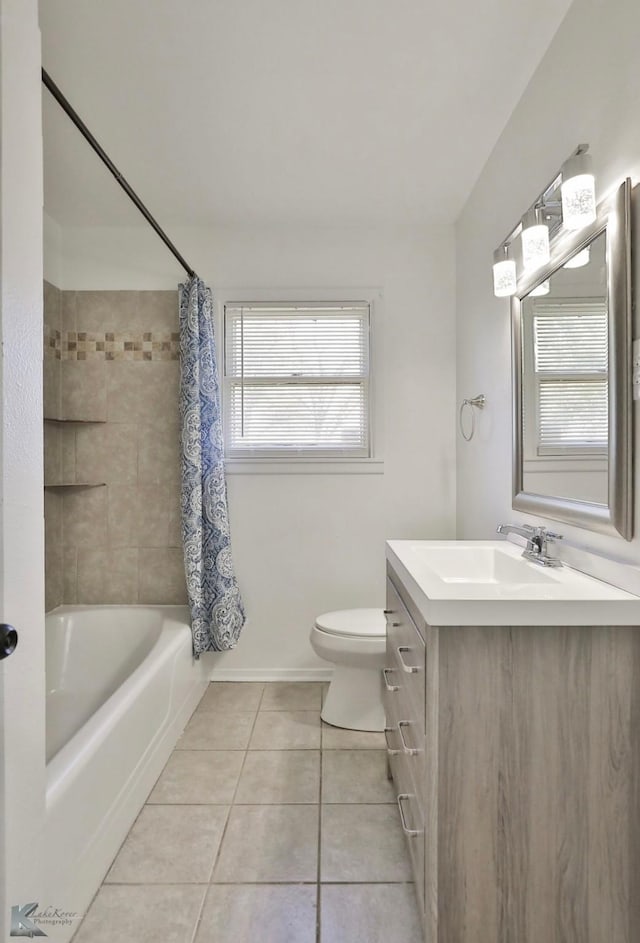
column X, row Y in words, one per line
column 121, row 685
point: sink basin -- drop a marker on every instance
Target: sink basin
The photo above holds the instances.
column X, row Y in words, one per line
column 488, row 582
column 483, row 565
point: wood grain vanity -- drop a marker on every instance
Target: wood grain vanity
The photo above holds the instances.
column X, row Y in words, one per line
column 515, row 755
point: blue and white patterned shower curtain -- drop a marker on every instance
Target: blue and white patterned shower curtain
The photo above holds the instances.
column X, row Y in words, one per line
column 217, row 614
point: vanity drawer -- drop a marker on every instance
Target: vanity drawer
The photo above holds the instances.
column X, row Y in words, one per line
column 393, row 690
column 405, row 739
column 406, row 653
column 411, row 820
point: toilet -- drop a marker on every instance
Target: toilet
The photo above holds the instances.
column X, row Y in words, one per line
column 355, row 641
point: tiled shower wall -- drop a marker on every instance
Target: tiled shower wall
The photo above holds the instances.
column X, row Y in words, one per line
column 111, row 372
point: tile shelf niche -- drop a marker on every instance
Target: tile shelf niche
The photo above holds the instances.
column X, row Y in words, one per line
column 54, row 485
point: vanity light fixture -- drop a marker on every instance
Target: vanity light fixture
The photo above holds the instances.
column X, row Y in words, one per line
column 542, row 289
column 578, row 190
column 535, row 239
column 568, row 202
column 504, row 273
column 579, row 259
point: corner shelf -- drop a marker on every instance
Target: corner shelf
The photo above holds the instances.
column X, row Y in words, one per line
column 76, row 421
column 77, row 484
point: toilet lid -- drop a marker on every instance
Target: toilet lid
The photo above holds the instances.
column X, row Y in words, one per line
column 362, row 623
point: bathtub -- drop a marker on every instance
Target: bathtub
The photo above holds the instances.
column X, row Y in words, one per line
column 121, row 685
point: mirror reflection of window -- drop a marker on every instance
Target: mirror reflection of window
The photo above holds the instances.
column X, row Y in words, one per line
column 570, row 359
column 565, row 382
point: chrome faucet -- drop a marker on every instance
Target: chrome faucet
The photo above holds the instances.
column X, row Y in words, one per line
column 538, row 538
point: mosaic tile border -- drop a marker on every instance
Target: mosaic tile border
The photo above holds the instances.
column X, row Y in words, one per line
column 110, row 345
column 52, row 343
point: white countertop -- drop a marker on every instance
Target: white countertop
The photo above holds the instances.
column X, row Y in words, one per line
column 487, row 582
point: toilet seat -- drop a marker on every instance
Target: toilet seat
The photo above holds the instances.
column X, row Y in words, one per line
column 353, row 623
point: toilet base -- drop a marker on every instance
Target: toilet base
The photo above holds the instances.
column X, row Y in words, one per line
column 354, row 699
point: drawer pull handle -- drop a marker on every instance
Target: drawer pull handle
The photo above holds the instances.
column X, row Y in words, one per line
column 410, row 669
column 388, row 612
column 410, row 751
column 387, row 684
column 390, row 750
column 409, row 832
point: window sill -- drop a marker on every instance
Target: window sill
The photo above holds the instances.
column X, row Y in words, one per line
column 312, row 466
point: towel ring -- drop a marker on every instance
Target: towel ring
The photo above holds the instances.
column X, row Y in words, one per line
column 479, row 402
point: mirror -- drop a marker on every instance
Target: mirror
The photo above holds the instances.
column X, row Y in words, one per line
column 571, row 334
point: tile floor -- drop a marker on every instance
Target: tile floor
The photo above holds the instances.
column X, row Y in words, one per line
column 265, row 825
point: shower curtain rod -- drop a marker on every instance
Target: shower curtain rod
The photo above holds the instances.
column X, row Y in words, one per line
column 104, row 157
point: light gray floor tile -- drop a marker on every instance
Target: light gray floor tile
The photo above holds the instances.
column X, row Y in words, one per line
column 209, row 731
column 269, row 843
column 271, row 840
column 199, row 776
column 268, row 913
column 355, row 776
column 172, row 844
column 369, row 913
column 278, row 777
column 142, row 914
column 286, row 730
column 337, row 738
column 292, row 696
column 363, row 843
column 232, row 696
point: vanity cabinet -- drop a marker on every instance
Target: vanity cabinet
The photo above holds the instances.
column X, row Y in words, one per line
column 515, row 757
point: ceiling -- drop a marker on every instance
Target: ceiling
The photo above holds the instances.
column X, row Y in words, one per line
column 314, row 112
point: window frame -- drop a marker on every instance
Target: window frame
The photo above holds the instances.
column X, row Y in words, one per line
column 326, row 461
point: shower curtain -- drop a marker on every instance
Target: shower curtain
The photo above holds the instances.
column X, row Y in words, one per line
column 217, row 614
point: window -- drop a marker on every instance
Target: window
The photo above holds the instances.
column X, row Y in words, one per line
column 296, row 380
column 570, row 362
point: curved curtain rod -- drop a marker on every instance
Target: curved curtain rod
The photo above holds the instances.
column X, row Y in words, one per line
column 51, row 86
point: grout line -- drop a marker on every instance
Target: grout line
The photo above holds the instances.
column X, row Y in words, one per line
column 196, row 925
column 235, row 883
column 319, row 871
column 233, row 798
column 256, row 805
column 276, row 749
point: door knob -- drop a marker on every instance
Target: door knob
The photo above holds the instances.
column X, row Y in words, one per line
column 8, row 640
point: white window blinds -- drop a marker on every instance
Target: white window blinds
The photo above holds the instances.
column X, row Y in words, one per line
column 570, row 364
column 297, row 380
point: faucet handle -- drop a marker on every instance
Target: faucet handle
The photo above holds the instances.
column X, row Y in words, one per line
column 549, row 535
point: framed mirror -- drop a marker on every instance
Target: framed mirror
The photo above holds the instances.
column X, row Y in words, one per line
column 571, row 370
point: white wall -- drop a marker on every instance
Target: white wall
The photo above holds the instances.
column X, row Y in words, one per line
column 304, row 544
column 585, row 90
column 22, row 687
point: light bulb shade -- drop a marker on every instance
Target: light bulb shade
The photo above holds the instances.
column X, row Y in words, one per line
column 542, row 289
column 504, row 277
column 579, row 259
column 578, row 191
column 535, row 246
